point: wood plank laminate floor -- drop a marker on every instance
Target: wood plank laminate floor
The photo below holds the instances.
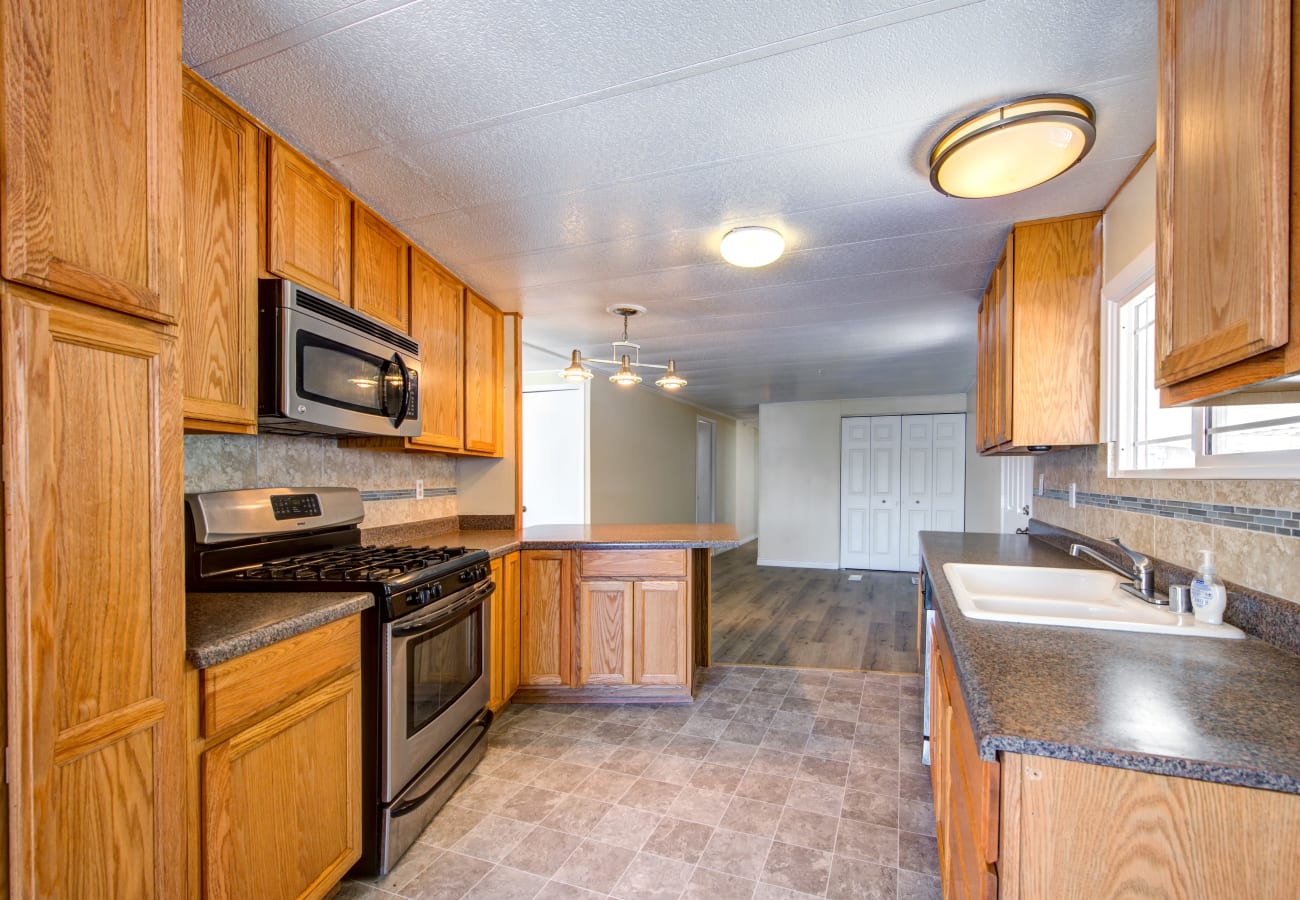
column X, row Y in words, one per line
column 777, row 616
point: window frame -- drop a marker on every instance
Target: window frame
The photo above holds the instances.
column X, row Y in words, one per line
column 1275, row 464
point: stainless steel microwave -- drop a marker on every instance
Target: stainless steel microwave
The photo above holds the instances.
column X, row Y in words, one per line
column 328, row 369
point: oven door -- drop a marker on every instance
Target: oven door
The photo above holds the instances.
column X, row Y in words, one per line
column 338, row 380
column 437, row 681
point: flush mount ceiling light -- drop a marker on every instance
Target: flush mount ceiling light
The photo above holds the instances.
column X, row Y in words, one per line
column 752, row 246
column 627, row 358
column 1013, row 147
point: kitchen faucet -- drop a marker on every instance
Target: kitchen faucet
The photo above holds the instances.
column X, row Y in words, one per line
column 1143, row 574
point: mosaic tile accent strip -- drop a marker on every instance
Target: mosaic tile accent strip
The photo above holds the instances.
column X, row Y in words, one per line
column 1285, row 522
column 406, row 494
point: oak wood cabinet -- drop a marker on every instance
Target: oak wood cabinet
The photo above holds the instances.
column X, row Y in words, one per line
column 437, row 322
column 281, row 767
column 1034, row 828
column 379, row 269
column 504, row 638
column 1227, row 315
column 484, row 376
column 94, row 600
column 605, row 629
column 91, row 166
column 546, row 618
column 1039, row 350
column 309, row 224
column 218, row 315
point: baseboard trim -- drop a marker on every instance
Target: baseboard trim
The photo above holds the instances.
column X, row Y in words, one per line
column 746, row 540
column 797, row 564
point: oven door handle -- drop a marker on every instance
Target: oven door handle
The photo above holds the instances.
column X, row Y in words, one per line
column 432, row 620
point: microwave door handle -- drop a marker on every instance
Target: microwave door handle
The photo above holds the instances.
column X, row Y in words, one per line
column 405, row 405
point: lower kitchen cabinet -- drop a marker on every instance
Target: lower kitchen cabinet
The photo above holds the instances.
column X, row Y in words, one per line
column 627, row 637
column 504, row 639
column 1037, row 828
column 280, row 769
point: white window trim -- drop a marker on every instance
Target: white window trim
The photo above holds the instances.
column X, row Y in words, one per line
column 1280, row 464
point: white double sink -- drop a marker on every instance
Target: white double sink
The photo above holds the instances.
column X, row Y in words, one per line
column 1074, row 598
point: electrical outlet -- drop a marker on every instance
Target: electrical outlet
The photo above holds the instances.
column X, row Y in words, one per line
column 1042, row 484
column 1074, row 495
column 419, row 489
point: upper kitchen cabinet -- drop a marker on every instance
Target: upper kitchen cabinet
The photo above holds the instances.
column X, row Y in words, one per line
column 90, row 206
column 1227, row 317
column 1038, row 365
column 219, row 286
column 309, row 225
column 484, row 376
column 379, row 267
column 437, row 316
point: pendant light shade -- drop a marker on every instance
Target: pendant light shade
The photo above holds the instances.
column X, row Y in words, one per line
column 575, row 371
column 671, row 380
column 752, row 246
column 1013, row 147
column 625, row 375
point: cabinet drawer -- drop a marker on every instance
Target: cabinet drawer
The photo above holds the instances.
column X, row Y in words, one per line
column 632, row 563
column 239, row 689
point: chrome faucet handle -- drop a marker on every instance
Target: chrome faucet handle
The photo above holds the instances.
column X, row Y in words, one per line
column 1143, row 571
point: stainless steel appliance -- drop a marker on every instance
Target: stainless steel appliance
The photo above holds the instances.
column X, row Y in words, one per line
column 424, row 651
column 927, row 599
column 328, row 369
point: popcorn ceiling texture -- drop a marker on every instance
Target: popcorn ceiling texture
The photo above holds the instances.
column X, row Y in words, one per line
column 230, row 462
column 1259, row 560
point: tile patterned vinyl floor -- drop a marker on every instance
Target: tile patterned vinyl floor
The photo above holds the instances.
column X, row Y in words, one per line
column 775, row 783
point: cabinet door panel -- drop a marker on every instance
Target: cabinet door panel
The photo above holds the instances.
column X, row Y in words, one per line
column 605, row 626
column 282, row 800
column 219, row 299
column 379, row 260
column 95, row 628
column 484, row 376
column 546, row 618
column 437, row 322
column 510, row 589
column 661, row 654
column 91, row 137
column 1222, row 183
column 309, row 237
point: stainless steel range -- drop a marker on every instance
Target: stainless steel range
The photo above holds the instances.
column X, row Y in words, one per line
column 424, row 645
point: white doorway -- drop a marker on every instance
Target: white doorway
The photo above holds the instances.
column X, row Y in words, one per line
column 705, row 434
column 555, row 455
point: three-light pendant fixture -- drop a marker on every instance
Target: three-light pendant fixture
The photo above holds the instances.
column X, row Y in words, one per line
column 627, row 358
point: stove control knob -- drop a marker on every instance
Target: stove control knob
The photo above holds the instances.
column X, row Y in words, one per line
column 436, row 591
column 420, row 597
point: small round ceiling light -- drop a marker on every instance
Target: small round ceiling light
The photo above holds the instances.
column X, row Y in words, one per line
column 671, row 380
column 1013, row 147
column 751, row 246
column 625, row 376
column 575, row 371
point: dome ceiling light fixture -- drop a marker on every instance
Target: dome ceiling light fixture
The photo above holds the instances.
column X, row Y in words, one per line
column 1014, row 146
column 751, row 246
column 627, row 358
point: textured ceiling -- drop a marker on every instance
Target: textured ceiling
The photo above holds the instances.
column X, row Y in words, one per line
column 565, row 156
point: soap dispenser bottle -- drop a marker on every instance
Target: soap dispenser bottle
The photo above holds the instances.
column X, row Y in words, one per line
column 1209, row 597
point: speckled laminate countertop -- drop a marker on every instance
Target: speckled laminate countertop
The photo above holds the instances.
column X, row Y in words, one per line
column 1214, row 710
column 220, row 627
column 565, row 537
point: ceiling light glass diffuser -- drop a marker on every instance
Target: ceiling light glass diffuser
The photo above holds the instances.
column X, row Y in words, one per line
column 752, row 246
column 627, row 358
column 1013, row 147
column 575, row 371
column 671, row 380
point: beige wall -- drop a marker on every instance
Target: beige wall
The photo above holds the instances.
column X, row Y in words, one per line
column 1129, row 228
column 983, row 480
column 641, row 457
column 746, row 480
column 1265, row 562
column 799, row 472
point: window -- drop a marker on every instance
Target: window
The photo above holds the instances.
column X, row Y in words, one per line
column 1238, row 441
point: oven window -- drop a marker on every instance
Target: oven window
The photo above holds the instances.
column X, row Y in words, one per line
column 440, row 666
column 343, row 376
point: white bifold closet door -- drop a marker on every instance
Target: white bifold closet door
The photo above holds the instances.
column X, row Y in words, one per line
column 900, row 475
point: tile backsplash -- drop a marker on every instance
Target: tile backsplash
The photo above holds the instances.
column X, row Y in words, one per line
column 386, row 480
column 1252, row 525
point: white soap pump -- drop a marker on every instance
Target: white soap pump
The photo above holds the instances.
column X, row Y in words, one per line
column 1209, row 597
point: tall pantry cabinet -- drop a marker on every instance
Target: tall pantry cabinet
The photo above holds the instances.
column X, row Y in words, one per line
column 91, row 390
